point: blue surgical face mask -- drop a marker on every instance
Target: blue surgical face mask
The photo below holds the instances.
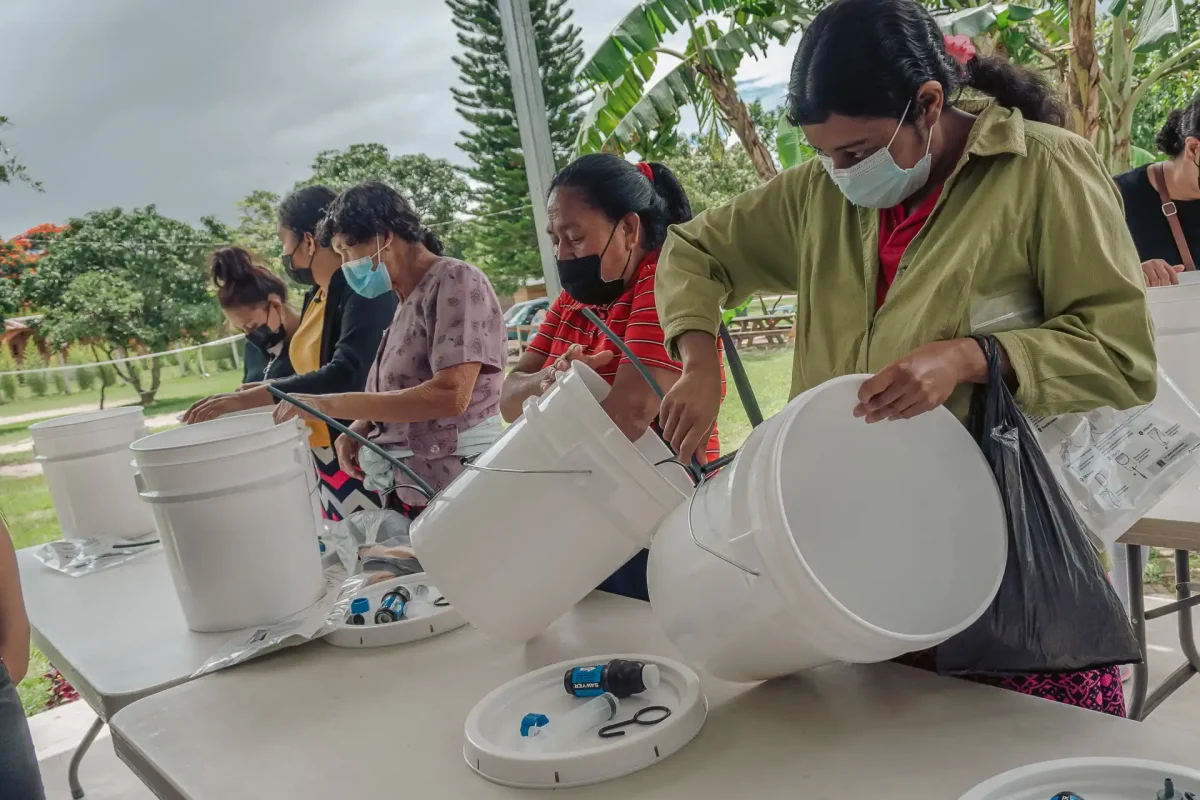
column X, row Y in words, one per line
column 367, row 275
column 878, row 181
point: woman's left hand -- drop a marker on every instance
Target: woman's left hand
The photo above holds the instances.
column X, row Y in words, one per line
column 285, row 410
column 575, row 353
column 921, row 381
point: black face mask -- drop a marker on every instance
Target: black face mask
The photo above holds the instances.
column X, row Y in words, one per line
column 583, row 280
column 301, row 275
column 266, row 338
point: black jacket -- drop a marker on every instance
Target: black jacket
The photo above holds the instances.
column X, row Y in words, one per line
column 350, row 335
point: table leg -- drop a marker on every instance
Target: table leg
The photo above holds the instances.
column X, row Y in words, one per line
column 1183, row 591
column 1135, row 704
column 77, row 758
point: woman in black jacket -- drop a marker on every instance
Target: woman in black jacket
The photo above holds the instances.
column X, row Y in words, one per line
column 330, row 353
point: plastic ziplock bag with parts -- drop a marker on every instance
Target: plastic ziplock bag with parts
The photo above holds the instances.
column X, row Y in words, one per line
column 1055, row 610
column 1117, row 465
column 79, row 557
column 366, row 541
column 319, row 619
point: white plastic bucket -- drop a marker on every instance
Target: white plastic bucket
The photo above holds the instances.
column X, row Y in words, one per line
column 1176, row 314
column 514, row 552
column 85, row 460
column 868, row 541
column 231, row 499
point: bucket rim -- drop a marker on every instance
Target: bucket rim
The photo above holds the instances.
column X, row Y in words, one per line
column 100, row 419
column 775, row 558
column 145, row 444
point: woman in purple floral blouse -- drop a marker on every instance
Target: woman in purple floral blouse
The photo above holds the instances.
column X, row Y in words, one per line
column 433, row 395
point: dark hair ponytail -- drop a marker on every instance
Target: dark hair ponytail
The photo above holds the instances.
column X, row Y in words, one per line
column 615, row 187
column 868, row 58
column 240, row 282
column 373, row 209
column 1182, row 124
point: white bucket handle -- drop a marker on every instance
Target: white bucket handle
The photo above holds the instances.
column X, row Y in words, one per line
column 692, row 533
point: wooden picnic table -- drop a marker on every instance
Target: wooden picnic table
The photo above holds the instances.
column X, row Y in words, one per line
column 774, row 330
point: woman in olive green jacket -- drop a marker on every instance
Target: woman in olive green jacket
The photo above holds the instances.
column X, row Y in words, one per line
column 923, row 220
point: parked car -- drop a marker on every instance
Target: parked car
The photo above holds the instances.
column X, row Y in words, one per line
column 531, row 312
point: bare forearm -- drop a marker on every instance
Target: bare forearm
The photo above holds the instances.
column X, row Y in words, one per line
column 698, row 350
column 518, row 387
column 14, row 624
column 423, row 402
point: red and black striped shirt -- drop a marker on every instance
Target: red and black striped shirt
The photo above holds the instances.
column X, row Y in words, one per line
column 633, row 317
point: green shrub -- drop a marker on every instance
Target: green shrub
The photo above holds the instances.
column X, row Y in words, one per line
column 84, row 375
column 8, row 383
column 108, row 375
column 36, row 379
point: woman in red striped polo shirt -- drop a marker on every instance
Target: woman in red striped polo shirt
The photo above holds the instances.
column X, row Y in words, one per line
column 608, row 221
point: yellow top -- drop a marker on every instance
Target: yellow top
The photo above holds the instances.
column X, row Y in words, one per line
column 1028, row 237
column 304, row 351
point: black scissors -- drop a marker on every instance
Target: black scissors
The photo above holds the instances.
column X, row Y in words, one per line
column 650, row 715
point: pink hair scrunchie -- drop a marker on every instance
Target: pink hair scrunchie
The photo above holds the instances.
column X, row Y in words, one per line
column 646, row 170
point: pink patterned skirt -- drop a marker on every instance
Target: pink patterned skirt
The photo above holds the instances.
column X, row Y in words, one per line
column 1096, row 690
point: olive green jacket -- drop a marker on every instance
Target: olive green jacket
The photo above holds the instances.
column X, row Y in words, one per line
column 1028, row 238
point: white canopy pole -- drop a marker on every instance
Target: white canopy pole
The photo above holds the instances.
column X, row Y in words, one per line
column 532, row 122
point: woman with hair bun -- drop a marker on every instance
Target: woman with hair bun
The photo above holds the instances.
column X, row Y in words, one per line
column 254, row 301
column 608, row 221
column 1160, row 200
column 432, row 397
column 929, row 215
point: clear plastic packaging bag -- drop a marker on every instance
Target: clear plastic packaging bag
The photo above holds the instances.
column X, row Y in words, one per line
column 313, row 622
column 1056, row 610
column 1117, row 465
column 375, row 542
column 79, row 557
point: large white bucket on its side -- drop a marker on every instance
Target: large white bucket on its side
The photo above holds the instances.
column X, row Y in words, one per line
column 865, row 542
column 85, row 460
column 231, row 502
column 514, row 552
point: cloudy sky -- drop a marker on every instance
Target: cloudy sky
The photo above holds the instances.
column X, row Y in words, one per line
column 191, row 105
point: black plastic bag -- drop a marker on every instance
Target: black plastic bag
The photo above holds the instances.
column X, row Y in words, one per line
column 1056, row 610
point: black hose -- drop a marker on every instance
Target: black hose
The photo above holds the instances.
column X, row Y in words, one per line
column 421, row 486
column 696, row 469
column 741, row 380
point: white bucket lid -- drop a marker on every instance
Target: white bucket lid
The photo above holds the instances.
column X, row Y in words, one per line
column 894, row 462
column 1176, row 309
column 131, row 417
column 495, row 749
column 1090, row 778
column 426, row 619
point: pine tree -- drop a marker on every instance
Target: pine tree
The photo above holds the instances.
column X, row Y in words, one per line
column 504, row 242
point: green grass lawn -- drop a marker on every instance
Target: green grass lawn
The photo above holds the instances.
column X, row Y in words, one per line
column 26, row 501
column 771, row 377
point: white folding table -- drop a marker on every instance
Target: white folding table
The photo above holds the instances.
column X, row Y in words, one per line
column 317, row 722
column 117, row 635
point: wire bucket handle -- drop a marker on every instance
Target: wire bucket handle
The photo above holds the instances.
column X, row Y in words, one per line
column 418, row 483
